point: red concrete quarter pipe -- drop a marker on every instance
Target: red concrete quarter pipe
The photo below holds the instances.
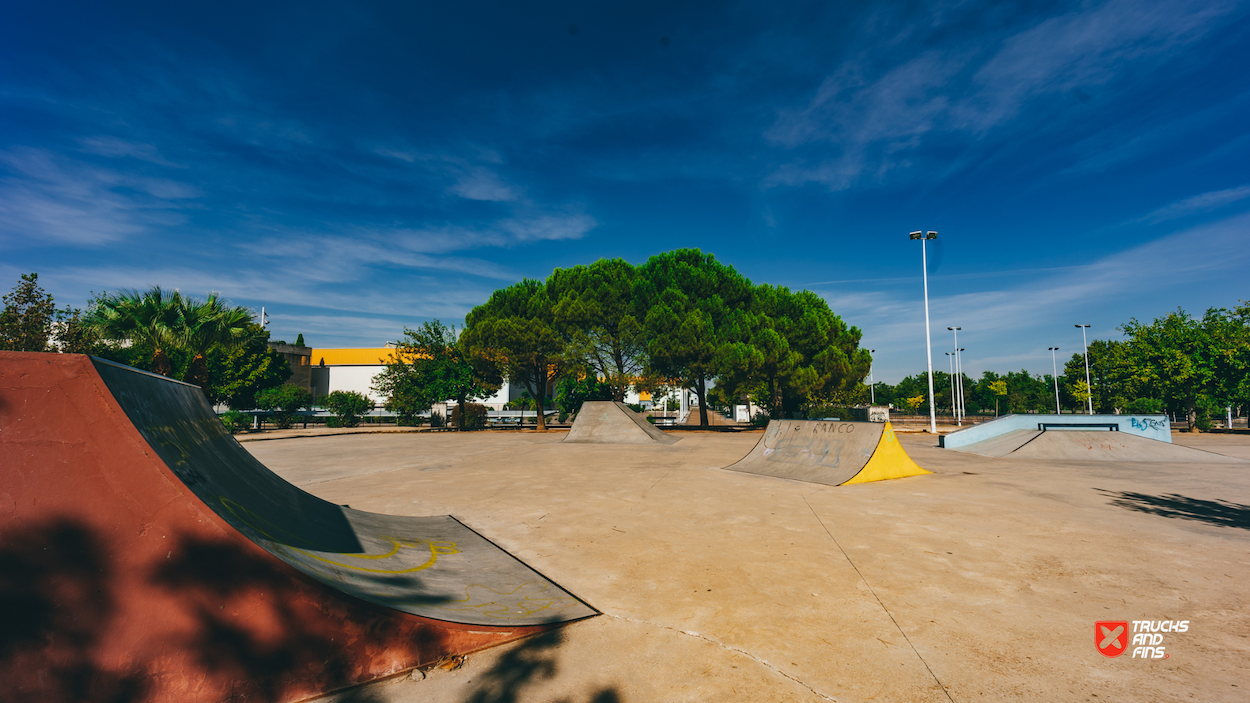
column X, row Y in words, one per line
column 146, row 556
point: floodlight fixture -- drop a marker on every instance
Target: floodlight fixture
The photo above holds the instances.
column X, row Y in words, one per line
column 917, row 235
column 930, row 235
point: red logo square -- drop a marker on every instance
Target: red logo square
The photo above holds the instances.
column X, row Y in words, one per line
column 1111, row 637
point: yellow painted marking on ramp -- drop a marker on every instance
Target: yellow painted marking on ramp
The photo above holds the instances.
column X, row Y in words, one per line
column 437, row 547
column 889, row 460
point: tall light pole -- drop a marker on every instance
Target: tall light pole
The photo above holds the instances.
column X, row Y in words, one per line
column 1089, row 389
column 950, row 362
column 959, row 373
column 928, row 341
column 871, row 391
column 1054, row 365
column 956, row 393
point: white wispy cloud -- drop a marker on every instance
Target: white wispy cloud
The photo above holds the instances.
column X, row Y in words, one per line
column 45, row 198
column 1204, row 202
column 1011, row 316
column 116, row 147
column 483, row 184
column 869, row 120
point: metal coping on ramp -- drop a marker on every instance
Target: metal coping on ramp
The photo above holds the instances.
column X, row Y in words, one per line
column 610, row 422
column 131, row 519
column 1156, row 427
column 829, row 453
column 1090, row 445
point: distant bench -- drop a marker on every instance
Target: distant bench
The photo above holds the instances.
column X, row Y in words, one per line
column 1110, row 426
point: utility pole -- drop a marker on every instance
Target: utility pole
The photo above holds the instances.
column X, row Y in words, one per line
column 1054, row 365
column 1089, row 388
column 950, row 362
column 959, row 372
column 957, row 394
column 928, row 340
column 873, row 391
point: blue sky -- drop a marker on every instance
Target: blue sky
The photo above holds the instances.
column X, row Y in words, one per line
column 359, row 167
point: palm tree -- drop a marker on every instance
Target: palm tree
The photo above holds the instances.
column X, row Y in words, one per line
column 209, row 324
column 153, row 318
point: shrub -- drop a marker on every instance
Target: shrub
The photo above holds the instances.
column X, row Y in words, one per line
column 437, row 419
column 562, row 416
column 347, row 407
column 284, row 401
column 636, row 407
column 236, row 421
column 474, row 416
column 760, row 419
column 651, row 419
column 1145, row 406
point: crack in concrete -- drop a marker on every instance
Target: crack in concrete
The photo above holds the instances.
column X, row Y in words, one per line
column 879, row 601
column 728, row 647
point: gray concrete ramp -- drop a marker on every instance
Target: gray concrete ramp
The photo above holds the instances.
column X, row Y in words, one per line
column 829, row 453
column 1002, row 445
column 609, row 422
column 1086, row 445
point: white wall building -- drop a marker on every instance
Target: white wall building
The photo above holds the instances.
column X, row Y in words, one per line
column 355, row 369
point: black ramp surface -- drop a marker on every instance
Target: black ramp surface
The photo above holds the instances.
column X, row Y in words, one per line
column 434, row 567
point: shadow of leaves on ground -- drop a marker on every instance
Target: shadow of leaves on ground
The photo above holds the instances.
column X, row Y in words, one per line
column 65, row 593
column 1173, row 505
column 56, row 603
column 529, row 662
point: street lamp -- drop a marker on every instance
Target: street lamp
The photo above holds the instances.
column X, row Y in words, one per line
column 950, row 363
column 928, row 342
column 873, row 391
column 1089, row 389
column 1054, row 365
column 959, row 395
column 959, row 371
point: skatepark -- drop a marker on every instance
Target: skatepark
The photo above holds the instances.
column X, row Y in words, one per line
column 663, row 575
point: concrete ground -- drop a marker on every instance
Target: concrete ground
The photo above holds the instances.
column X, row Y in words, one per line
column 982, row 581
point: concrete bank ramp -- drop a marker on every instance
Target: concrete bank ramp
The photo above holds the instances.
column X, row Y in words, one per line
column 832, row 453
column 131, row 516
column 1002, row 445
column 609, row 422
column 1087, row 445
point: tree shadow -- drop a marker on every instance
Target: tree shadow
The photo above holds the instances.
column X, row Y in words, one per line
column 255, row 643
column 73, row 628
column 532, row 660
column 56, row 603
column 1212, row 512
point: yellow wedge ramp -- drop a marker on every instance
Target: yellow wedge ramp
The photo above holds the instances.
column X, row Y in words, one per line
column 828, row 452
column 889, row 460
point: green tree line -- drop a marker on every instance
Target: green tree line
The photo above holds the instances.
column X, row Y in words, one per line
column 680, row 320
column 1189, row 367
column 206, row 342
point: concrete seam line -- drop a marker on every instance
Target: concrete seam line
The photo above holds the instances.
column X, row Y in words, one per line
column 768, row 665
column 874, row 595
column 666, row 473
